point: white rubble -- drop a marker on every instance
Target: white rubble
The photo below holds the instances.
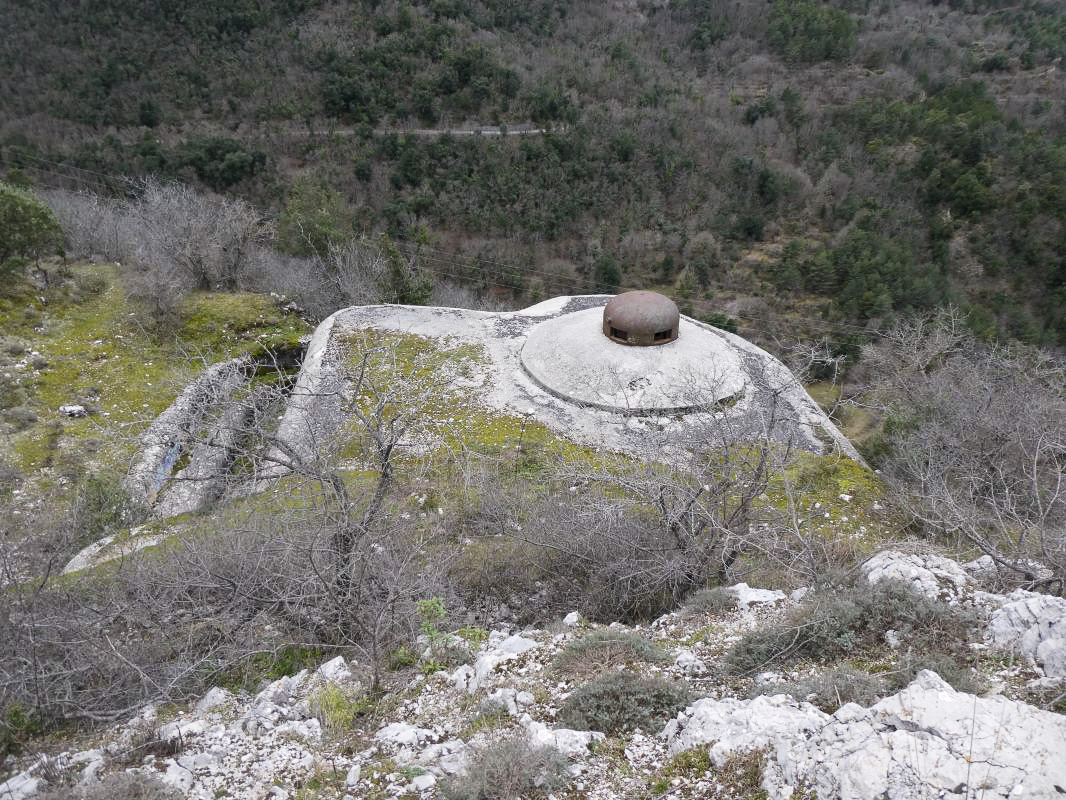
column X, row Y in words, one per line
column 402, row 734
column 73, row 410
column 214, row 699
column 1033, row 625
column 934, row 576
column 925, row 741
column 511, row 699
column 500, row 648
column 21, row 786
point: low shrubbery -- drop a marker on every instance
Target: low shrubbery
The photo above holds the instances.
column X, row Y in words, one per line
column 623, row 701
column 125, row 785
column 830, row 689
column 510, row 768
column 843, row 622
column 607, row 648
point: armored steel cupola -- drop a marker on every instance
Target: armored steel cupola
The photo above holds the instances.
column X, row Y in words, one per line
column 641, row 318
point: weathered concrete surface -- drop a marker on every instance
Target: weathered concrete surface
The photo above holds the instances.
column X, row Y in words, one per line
column 769, row 400
column 172, row 431
column 570, row 357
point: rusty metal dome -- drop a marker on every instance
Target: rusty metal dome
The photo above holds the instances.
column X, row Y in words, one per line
column 641, row 318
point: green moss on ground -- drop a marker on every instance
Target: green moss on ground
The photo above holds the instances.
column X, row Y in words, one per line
column 99, row 354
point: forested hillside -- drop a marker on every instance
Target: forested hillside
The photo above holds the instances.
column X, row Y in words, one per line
column 795, row 165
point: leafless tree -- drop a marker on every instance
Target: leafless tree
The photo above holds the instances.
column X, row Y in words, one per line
column 977, row 443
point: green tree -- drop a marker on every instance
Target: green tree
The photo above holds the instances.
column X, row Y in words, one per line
column 811, row 32
column 28, row 228
column 403, row 283
column 607, row 274
column 315, row 216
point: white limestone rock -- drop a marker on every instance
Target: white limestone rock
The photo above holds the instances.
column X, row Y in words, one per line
column 985, row 568
column 73, row 410
column 689, row 663
column 1033, row 625
column 573, row 619
column 423, row 782
column 334, row 671
column 307, row 729
column 934, row 576
column 214, row 699
column 22, row 786
column 351, row 780
column 512, row 700
column 748, row 596
column 500, row 648
column 572, row 744
column 181, row 729
column 925, row 741
column 444, row 759
column 732, row 725
column 177, row 776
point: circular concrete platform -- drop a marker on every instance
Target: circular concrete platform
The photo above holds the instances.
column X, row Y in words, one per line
column 570, row 357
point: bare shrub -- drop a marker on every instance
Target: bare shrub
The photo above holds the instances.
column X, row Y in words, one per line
column 975, row 442
column 170, row 238
column 509, row 768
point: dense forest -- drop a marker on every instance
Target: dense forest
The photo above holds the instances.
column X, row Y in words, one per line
column 799, row 166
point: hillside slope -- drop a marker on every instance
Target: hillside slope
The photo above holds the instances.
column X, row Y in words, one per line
column 883, row 157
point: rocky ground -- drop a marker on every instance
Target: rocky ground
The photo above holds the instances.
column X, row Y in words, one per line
column 321, row 734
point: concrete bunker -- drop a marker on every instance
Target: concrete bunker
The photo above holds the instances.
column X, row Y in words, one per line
column 641, row 319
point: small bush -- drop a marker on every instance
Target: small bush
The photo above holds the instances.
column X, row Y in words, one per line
column 20, row 418
column 622, row 701
column 400, row 658
column 830, row 689
column 839, row 623
column 104, row 505
column 508, row 769
column 709, row 601
column 605, row 649
column 125, row 785
column 9, row 476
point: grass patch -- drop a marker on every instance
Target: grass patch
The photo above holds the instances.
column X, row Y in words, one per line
column 93, row 351
column 690, row 764
column 337, row 708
